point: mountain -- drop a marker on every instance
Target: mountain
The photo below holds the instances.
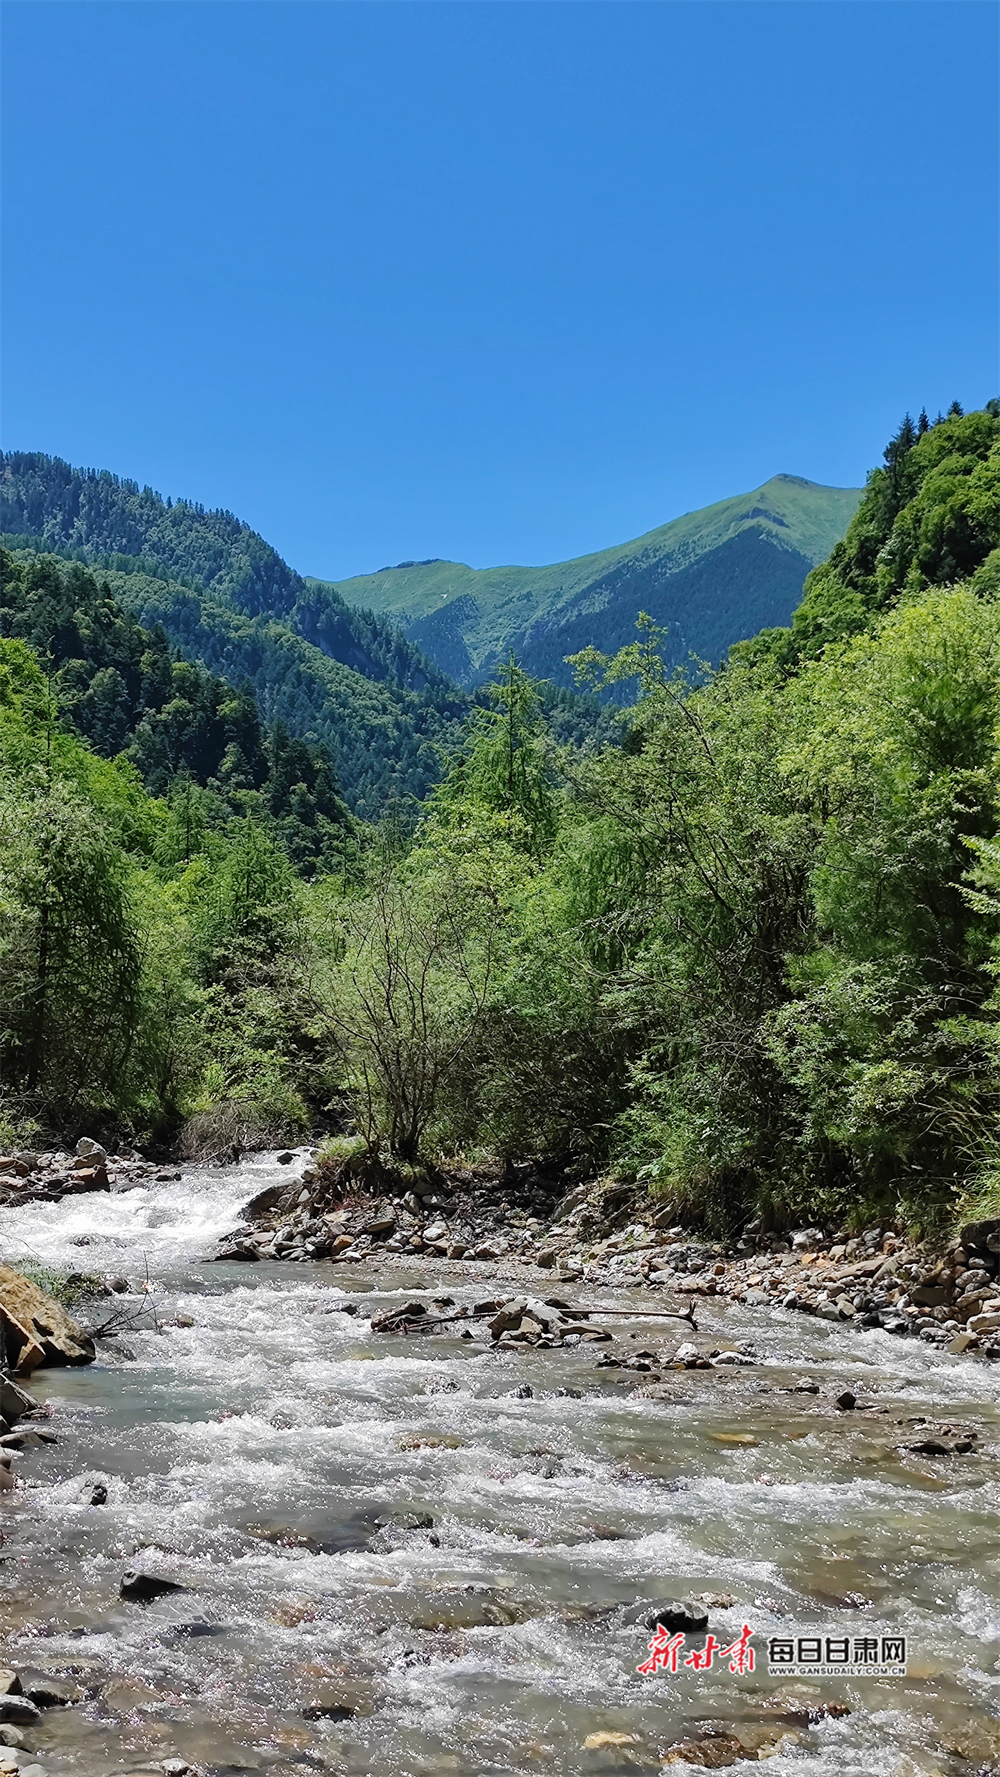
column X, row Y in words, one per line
column 226, row 599
column 711, row 578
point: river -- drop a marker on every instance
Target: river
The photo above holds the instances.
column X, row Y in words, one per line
column 385, row 1530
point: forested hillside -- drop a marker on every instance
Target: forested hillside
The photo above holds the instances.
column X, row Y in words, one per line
column 332, row 674
column 750, row 956
column 708, row 579
column 227, row 600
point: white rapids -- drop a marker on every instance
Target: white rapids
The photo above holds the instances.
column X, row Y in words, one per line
column 396, row 1564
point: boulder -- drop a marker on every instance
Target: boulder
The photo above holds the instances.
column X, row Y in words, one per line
column 927, row 1295
column 47, row 1691
column 380, row 1227
column 241, row 1251
column 675, row 1615
column 36, row 1329
column 508, row 1317
column 713, row 1752
column 14, row 1401
column 979, row 1233
column 18, row 1710
column 91, row 1176
column 140, row 1587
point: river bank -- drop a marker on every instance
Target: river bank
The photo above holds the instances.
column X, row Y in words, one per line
column 522, row 1223
column 422, row 1554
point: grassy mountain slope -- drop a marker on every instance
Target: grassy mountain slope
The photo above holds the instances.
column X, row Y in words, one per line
column 711, row 578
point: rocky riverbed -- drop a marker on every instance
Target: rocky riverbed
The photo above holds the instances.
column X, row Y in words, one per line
column 607, row 1234
column 356, row 1516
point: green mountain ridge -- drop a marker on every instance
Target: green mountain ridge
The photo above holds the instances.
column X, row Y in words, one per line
column 227, row 600
column 710, row 578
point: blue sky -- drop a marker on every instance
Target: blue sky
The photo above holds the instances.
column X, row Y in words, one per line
column 501, row 281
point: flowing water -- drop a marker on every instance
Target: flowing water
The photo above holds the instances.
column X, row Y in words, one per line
column 282, row 1463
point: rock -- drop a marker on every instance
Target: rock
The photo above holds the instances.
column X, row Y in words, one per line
column 89, row 1149
column 19, row 1711
column 10, row 1684
column 88, row 1178
column 961, row 1342
column 847, row 1401
column 36, row 1328
column 675, row 1614
column 977, row 1740
column 381, row 1227
column 265, row 1200
column 99, row 1495
column 928, row 1295
column 486, row 1252
column 47, row 1691
column 10, row 1736
column 14, row 1401
column 140, row 1587
column 240, row 1251
column 457, row 1250
column 285, row 1158
column 984, row 1323
column 342, row 1242
column 546, row 1258
column 597, row 1742
column 807, row 1239
column 712, row 1752
column 436, row 1231
column 979, row 1233
column 508, row 1316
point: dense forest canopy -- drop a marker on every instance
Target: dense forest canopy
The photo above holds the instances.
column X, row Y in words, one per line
column 749, row 955
column 330, row 673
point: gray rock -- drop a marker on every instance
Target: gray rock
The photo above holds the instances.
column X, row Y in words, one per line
column 674, row 1614
column 20, row 1712
column 140, row 1587
column 47, row 1690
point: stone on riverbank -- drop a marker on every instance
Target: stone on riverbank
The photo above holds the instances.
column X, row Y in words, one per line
column 36, row 1329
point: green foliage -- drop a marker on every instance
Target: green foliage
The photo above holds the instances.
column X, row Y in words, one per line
column 930, row 517
column 749, row 955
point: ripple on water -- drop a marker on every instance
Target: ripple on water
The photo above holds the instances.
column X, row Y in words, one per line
column 254, row 1456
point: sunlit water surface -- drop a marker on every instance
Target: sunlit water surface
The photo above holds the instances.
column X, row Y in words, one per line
column 252, row 1455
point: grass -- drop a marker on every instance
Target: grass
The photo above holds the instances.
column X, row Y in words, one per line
column 500, row 605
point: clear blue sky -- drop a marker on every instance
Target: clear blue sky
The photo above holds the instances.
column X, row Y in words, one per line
column 499, row 282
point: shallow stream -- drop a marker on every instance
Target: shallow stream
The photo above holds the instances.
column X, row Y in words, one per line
column 281, row 1462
